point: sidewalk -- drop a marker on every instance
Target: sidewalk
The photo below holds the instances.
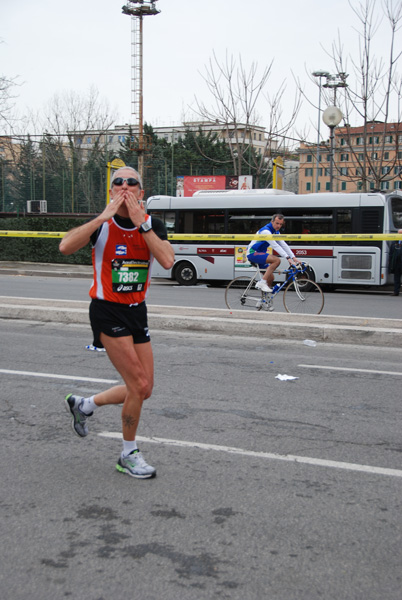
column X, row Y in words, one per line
column 45, row 269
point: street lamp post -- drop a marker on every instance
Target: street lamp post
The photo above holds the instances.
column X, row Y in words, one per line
column 320, row 75
column 332, row 116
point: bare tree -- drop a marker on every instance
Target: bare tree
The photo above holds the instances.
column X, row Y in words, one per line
column 7, row 95
column 372, row 98
column 71, row 112
column 236, row 93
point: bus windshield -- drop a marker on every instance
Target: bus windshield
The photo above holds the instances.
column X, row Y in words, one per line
column 396, row 208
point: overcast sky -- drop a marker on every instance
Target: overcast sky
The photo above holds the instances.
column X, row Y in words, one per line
column 62, row 46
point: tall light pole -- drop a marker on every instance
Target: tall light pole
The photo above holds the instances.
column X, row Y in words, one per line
column 145, row 8
column 336, row 81
column 320, row 75
column 332, row 116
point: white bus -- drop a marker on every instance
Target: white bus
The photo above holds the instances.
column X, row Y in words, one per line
column 332, row 263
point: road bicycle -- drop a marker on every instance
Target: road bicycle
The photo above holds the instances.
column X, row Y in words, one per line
column 300, row 293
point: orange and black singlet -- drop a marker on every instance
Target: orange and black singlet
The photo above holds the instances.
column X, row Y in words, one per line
column 122, row 261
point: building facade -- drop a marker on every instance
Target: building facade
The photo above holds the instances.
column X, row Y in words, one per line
column 365, row 158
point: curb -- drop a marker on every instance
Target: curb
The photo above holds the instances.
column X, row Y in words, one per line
column 268, row 326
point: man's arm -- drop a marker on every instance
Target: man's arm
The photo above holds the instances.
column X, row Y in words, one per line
column 77, row 238
column 161, row 249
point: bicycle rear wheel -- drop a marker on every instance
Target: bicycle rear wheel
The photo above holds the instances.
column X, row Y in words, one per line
column 241, row 294
column 303, row 296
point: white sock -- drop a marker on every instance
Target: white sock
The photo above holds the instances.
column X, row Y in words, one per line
column 88, row 405
column 128, row 447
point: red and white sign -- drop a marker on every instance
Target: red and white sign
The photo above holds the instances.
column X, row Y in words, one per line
column 187, row 185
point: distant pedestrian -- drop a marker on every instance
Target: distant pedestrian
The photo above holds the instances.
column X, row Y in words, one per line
column 395, row 263
column 125, row 240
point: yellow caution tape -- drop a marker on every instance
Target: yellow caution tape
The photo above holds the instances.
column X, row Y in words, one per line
column 346, row 237
column 33, row 234
column 206, row 237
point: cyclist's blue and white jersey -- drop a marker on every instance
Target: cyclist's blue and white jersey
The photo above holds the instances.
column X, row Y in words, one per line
column 280, row 246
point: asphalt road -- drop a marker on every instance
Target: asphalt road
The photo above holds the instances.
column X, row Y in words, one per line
column 345, row 303
column 266, row 489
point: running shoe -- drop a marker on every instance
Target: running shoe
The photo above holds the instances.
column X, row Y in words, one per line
column 79, row 421
column 261, row 285
column 135, row 465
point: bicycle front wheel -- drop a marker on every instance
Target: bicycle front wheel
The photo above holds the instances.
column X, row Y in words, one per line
column 241, row 294
column 303, row 296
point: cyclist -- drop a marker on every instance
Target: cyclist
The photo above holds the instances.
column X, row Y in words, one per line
column 257, row 252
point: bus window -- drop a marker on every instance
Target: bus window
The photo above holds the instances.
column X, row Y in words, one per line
column 168, row 218
column 212, row 221
column 396, row 207
column 344, row 221
column 170, row 221
column 240, row 222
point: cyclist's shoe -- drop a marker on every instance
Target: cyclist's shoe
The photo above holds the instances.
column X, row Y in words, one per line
column 261, row 285
column 135, row 466
column 79, row 421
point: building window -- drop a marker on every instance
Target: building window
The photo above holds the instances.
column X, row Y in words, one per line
column 360, row 156
column 89, row 140
column 110, row 139
column 388, row 139
column 259, row 137
column 398, row 170
column 374, row 139
column 309, row 158
column 342, row 141
column 359, row 185
column 326, row 172
column 318, row 186
column 308, row 186
column 308, row 172
column 385, row 170
column 319, row 171
column 399, row 154
column 374, row 155
column 397, row 185
column 343, row 185
column 328, row 186
column 384, row 185
column 122, row 138
column 359, row 171
column 386, row 155
column 344, row 170
column 328, row 157
column 359, row 141
column 344, row 157
column 371, row 185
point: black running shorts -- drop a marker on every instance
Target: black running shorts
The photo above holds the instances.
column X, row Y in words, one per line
column 119, row 320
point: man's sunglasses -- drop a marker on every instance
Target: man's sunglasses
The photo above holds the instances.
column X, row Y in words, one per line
column 130, row 181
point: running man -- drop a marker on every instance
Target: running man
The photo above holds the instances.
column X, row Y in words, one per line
column 125, row 240
column 257, row 252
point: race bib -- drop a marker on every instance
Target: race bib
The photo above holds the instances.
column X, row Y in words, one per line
column 129, row 275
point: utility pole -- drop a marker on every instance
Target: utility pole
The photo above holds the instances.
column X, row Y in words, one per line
column 143, row 9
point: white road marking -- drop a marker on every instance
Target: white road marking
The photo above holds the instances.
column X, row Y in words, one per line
column 55, row 376
column 352, row 370
column 285, row 457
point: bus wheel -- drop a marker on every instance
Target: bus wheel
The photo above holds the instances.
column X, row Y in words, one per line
column 185, row 274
